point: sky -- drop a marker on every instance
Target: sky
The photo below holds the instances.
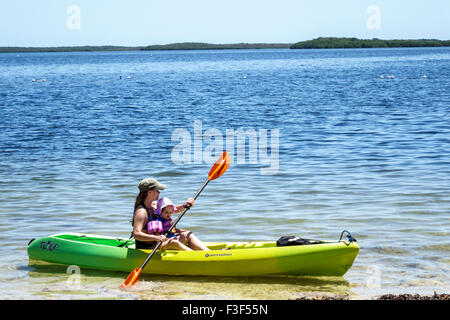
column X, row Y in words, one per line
column 44, row 23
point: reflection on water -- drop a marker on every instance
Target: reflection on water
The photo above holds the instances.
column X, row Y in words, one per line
column 52, row 281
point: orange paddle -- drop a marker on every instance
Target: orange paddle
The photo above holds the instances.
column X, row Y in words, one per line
column 219, row 168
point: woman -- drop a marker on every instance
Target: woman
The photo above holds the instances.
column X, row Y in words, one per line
column 149, row 190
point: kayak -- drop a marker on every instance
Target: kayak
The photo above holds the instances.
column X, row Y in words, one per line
column 324, row 258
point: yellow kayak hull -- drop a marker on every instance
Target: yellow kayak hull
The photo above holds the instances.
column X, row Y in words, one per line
column 241, row 259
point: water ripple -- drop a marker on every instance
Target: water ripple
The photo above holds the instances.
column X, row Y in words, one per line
column 356, row 152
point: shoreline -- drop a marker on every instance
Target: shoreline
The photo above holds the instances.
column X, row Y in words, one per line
column 399, row 297
column 318, row 43
column 355, row 43
column 165, row 47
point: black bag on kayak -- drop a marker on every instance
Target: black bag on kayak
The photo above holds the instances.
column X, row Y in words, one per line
column 294, row 241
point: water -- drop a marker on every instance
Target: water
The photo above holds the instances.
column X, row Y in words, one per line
column 358, row 150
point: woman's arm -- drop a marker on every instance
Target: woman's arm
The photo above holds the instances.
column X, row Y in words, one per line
column 181, row 207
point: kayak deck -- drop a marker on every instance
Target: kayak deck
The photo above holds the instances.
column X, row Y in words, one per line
column 254, row 258
column 118, row 242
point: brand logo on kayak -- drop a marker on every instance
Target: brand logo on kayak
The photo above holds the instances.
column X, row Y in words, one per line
column 261, row 153
column 217, row 255
column 48, row 245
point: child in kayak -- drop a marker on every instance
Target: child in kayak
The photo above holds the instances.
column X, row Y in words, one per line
column 144, row 208
column 163, row 209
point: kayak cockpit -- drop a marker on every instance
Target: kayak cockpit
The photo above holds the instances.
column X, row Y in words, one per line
column 118, row 242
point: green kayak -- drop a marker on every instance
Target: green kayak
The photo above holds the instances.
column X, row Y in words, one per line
column 324, row 258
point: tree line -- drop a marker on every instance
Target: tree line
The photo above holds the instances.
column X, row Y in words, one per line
column 331, row 43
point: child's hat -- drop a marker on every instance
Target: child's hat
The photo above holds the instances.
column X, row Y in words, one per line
column 162, row 203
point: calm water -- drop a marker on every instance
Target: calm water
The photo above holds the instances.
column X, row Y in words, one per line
column 358, row 150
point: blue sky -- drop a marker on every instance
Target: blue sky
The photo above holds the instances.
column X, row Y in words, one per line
column 143, row 22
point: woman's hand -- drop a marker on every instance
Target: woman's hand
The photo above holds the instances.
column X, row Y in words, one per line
column 189, row 203
column 161, row 238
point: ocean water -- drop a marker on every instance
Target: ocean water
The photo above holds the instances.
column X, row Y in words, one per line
column 356, row 140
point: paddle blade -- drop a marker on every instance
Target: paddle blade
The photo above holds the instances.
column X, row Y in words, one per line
column 132, row 278
column 220, row 166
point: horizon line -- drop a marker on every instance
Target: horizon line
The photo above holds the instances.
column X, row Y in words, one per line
column 210, row 43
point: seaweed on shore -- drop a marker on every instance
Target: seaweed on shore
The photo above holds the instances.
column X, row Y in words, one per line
column 324, row 298
column 436, row 296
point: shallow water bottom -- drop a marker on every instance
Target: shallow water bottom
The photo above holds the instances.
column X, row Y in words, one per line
column 60, row 282
column 57, row 282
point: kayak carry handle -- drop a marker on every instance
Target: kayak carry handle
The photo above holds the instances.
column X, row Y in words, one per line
column 349, row 236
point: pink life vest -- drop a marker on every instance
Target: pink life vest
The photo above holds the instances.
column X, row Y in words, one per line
column 155, row 226
column 159, row 225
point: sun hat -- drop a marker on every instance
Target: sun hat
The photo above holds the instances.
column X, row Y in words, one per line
column 162, row 203
column 150, row 183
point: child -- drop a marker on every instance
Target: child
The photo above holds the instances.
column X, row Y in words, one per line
column 164, row 209
column 178, row 239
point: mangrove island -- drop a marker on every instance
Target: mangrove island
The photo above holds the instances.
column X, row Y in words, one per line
column 318, row 43
column 338, row 43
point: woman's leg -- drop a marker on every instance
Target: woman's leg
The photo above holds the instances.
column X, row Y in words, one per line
column 189, row 239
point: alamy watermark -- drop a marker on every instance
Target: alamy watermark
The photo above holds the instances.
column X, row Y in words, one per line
column 74, row 283
column 203, row 147
column 374, row 19
column 373, row 280
column 73, row 21
column 74, row 280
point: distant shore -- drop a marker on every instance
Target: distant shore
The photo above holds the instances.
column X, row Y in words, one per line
column 318, row 43
column 343, row 43
column 172, row 46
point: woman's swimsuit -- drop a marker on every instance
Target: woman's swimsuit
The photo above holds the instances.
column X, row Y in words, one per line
column 166, row 226
column 145, row 244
